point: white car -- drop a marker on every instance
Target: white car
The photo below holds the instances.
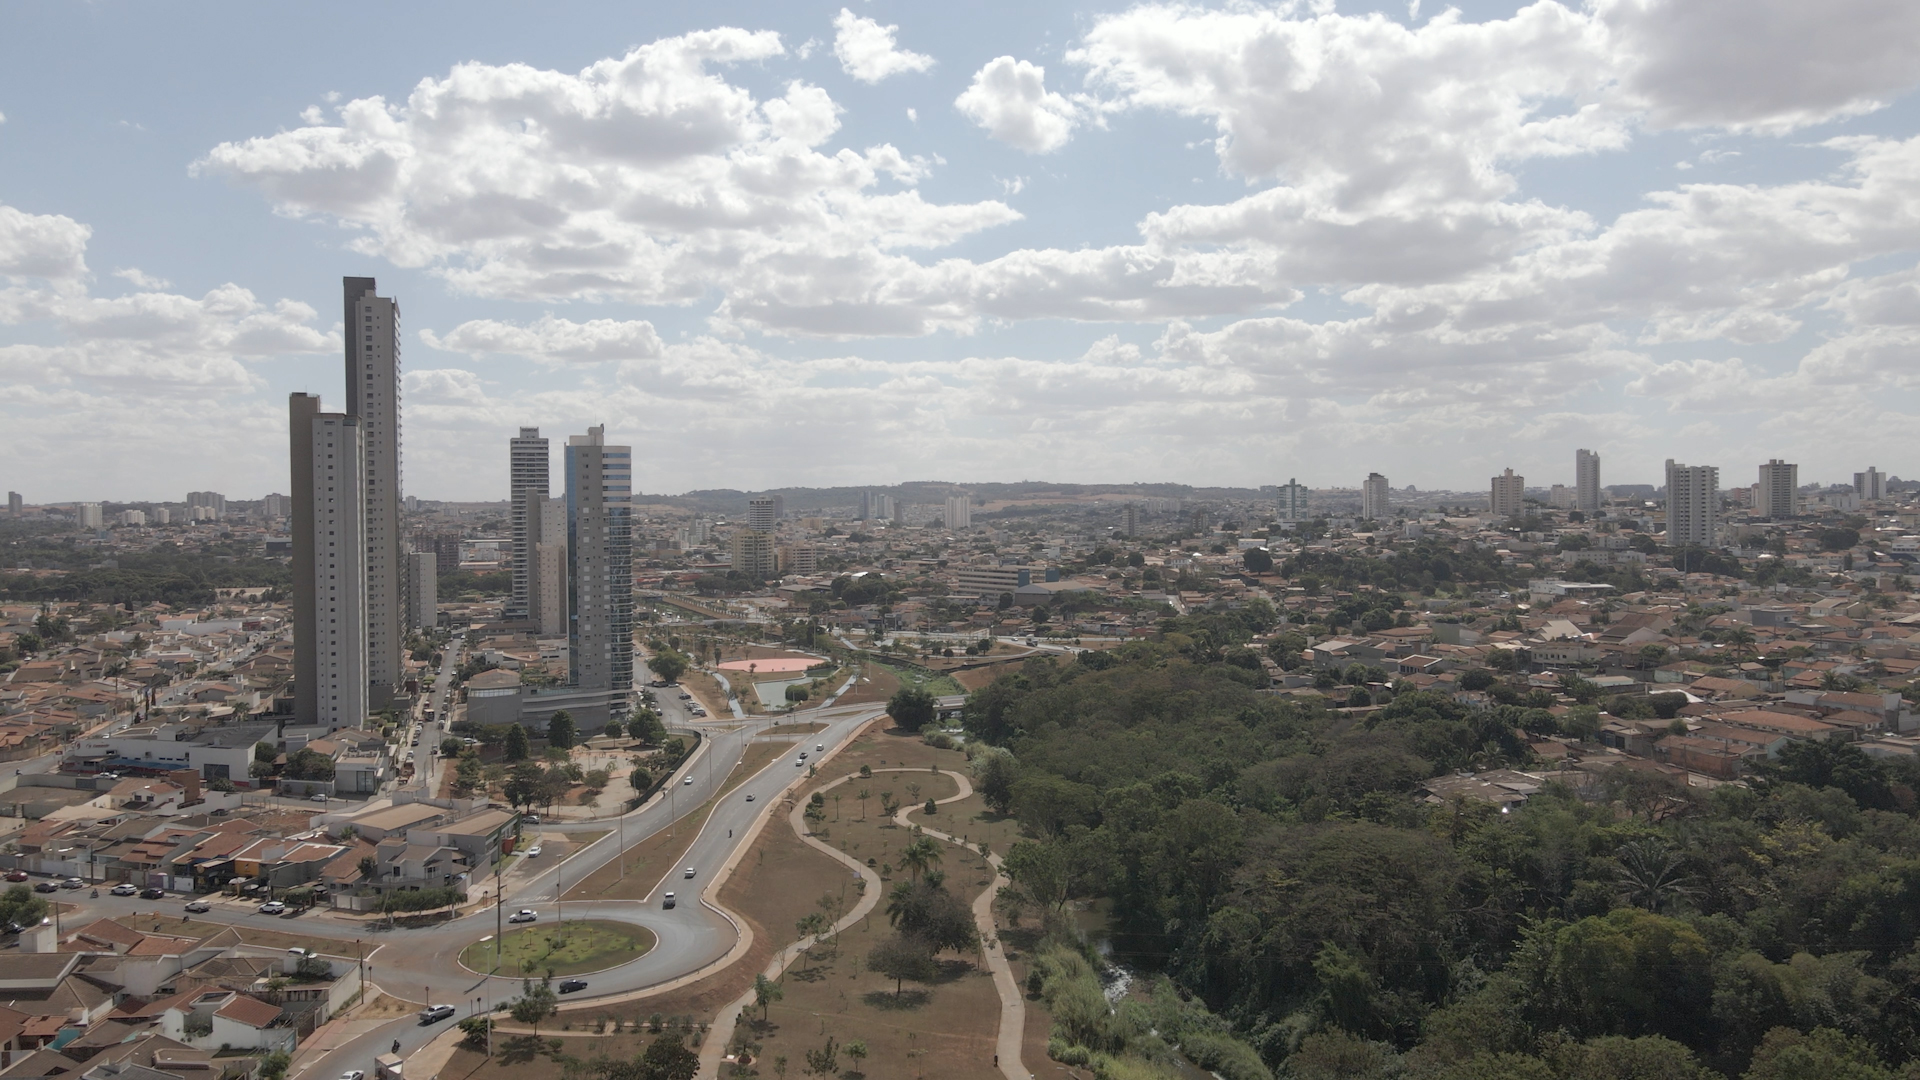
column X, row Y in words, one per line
column 318, row 796
column 523, row 915
column 273, row 907
column 533, row 852
column 687, row 782
column 353, row 1074
column 690, row 871
column 125, row 889
column 433, row 1014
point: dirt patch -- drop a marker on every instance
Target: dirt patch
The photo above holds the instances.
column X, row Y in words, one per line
column 794, row 729
column 272, row 939
column 524, row 1059
column 384, row 1006
column 876, row 684
column 646, row 862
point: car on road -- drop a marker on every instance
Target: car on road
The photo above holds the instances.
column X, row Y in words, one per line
column 533, row 852
column 353, row 1074
column 523, row 915
column 433, row 1014
column 684, row 696
column 73, row 883
column 153, row 892
column 803, row 755
column 568, row 986
column 318, row 796
column 530, row 819
column 16, row 875
column 45, row 886
column 667, row 901
column 125, row 888
column 273, row 907
column 199, row 907
column 820, row 747
column 749, row 796
column 690, row 871
column 688, row 781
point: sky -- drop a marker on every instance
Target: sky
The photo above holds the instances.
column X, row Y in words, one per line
column 807, row 244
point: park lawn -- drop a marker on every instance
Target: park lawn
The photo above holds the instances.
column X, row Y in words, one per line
column 918, row 679
column 876, row 684
column 569, row 948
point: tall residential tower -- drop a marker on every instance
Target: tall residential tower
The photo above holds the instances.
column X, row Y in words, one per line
column 1373, row 497
column 1778, row 493
column 526, row 478
column 329, row 565
column 373, row 395
column 1586, row 481
column 1693, row 504
column 1509, row 495
column 600, row 568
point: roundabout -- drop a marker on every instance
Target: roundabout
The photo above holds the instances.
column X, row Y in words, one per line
column 560, row 949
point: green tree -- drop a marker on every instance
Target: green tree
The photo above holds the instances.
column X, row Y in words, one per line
column 536, row 1002
column 919, row 856
column 668, row 664
column 1786, row 1054
column 646, row 726
column 668, row 1058
column 560, row 730
column 518, row 746
column 902, row 957
column 306, row 764
column 765, row 993
column 996, row 772
column 274, row 1065
column 1630, row 972
column 911, row 708
column 1257, row 560
column 20, row 907
column 523, row 785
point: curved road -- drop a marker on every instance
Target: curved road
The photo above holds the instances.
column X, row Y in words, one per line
column 419, row 964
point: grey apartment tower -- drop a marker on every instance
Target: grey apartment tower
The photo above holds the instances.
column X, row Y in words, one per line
column 527, row 463
column 600, row 567
column 373, row 396
column 329, row 580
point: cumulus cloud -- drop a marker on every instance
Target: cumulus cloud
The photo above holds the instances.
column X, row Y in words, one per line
column 647, row 178
column 551, row 340
column 1009, row 98
column 867, row 52
column 49, row 246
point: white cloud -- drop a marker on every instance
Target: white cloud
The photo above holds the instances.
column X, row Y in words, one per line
column 1010, row 99
column 48, row 246
column 551, row 340
column 867, row 51
column 646, row 178
column 140, row 279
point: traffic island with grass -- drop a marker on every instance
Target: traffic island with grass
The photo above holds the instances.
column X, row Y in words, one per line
column 573, row 948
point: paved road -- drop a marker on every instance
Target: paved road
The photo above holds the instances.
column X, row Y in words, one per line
column 419, row 965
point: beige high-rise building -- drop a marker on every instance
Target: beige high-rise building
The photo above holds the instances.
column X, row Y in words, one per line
column 1693, row 504
column 423, row 590
column 89, row 515
column 1509, row 498
column 753, row 553
column 547, row 575
column 600, row 570
column 373, row 395
column 1373, row 498
column 1777, row 495
column 328, row 473
column 960, row 512
column 1871, row 484
column 527, row 478
column 1586, row 481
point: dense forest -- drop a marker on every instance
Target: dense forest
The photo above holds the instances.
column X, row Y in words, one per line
column 1274, row 863
column 167, row 573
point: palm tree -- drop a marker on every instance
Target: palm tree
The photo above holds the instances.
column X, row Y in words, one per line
column 863, row 796
column 920, row 856
column 1648, row 873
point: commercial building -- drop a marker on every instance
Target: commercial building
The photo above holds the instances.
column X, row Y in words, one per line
column 1373, row 498
column 1693, row 504
column 600, row 570
column 1586, row 481
column 1871, row 484
column 329, row 565
column 1291, row 505
column 423, row 590
column 761, row 513
column 214, row 503
column 373, row 395
column 1777, row 495
column 528, row 460
column 1509, row 498
column 989, row 582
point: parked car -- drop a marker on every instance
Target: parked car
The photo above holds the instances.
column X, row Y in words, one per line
column 199, row 907
column 73, row 883
column 153, row 892
column 533, row 852
column 16, row 875
column 667, row 901
column 273, row 907
column 523, row 915
column 45, row 886
column 125, row 888
column 530, row 819
column 433, row 1014
column 568, row 986
column 318, row 796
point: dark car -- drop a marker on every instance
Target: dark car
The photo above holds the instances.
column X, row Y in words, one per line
column 153, row 893
column 45, row 886
column 16, row 875
column 568, row 986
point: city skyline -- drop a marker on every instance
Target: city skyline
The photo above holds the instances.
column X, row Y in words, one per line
column 1006, row 242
